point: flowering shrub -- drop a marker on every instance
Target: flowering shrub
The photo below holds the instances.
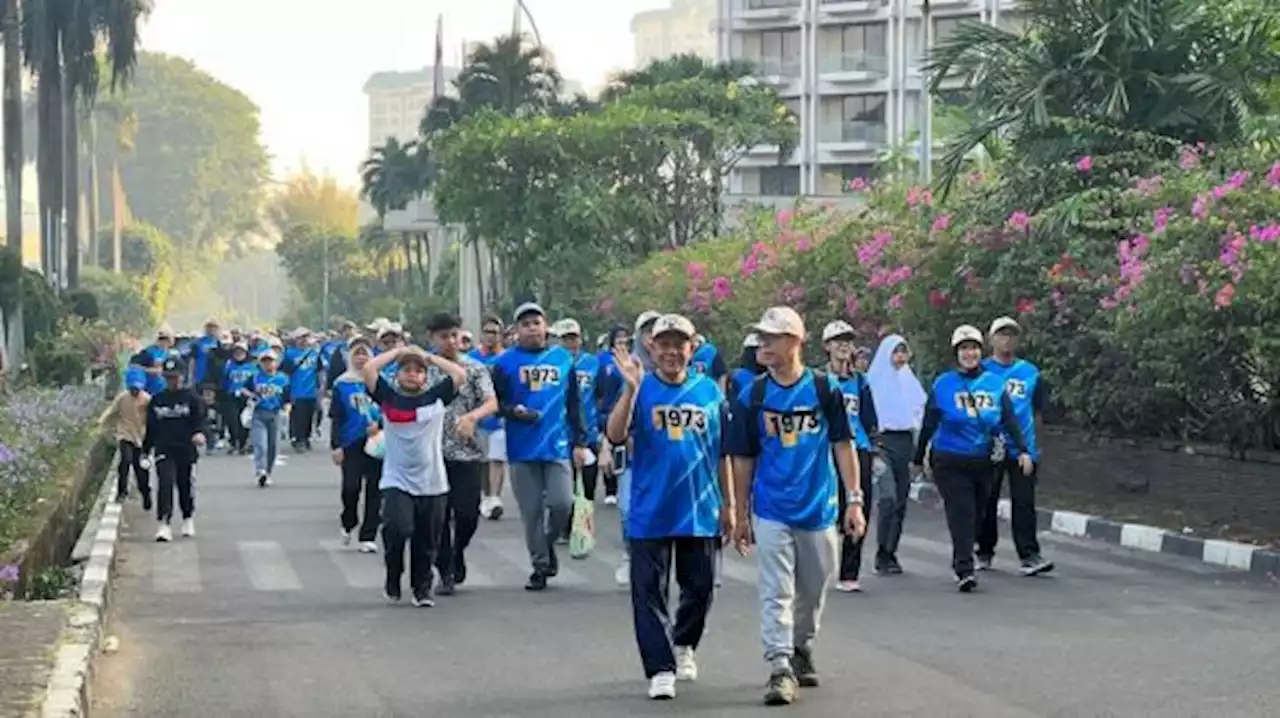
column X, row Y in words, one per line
column 1146, row 296
column 43, row 434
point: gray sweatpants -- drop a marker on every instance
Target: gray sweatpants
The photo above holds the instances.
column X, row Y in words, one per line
column 796, row 568
column 544, row 492
column 264, row 438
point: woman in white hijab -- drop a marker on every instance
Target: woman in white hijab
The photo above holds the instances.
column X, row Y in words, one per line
column 899, row 400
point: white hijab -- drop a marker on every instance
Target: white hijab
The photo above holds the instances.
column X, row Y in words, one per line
column 897, row 393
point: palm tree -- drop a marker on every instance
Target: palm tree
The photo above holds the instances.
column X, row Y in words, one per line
column 118, row 113
column 60, row 46
column 675, row 69
column 509, row 76
column 1085, row 72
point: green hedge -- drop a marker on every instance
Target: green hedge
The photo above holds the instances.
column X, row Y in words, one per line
column 1150, row 300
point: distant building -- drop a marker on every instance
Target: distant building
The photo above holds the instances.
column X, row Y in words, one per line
column 686, row 27
column 397, row 101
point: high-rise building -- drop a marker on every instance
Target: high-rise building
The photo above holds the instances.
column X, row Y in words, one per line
column 398, row 100
column 685, row 27
column 849, row 70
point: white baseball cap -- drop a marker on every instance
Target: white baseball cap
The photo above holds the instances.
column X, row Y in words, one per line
column 390, row 328
column 646, row 318
column 378, row 324
column 529, row 308
column 838, row 328
column 674, row 323
column 966, row 333
column 781, row 320
column 1002, row 323
column 751, row 341
column 568, row 327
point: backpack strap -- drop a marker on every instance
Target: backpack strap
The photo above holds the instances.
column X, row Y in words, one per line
column 822, row 384
column 758, row 385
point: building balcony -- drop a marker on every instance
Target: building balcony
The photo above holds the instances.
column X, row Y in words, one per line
column 756, row 14
column 853, row 136
column 853, row 67
column 850, row 8
column 775, row 71
column 935, row 5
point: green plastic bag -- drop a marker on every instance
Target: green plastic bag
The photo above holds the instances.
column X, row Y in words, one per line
column 582, row 537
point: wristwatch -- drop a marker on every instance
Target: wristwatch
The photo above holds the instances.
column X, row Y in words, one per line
column 854, row 497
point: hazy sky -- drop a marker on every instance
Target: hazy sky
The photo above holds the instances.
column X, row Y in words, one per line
column 304, row 61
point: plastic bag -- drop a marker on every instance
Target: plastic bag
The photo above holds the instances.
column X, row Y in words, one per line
column 246, row 414
column 582, row 536
column 375, row 446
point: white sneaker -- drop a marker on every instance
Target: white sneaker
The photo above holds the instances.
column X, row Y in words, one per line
column 368, row 547
column 495, row 508
column 163, row 533
column 611, row 501
column 662, row 687
column 486, row 506
column 346, row 537
column 686, row 666
column 623, row 575
column 189, row 527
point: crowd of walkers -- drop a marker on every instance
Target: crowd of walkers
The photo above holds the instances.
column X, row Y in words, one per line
column 771, row 457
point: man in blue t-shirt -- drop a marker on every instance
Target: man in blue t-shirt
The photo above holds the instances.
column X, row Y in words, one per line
column 1026, row 390
column 787, row 426
column 538, row 397
column 681, row 499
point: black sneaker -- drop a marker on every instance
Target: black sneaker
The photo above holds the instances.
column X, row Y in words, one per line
column 459, row 570
column 891, row 566
column 537, row 582
column 262, row 480
column 782, row 688
column 1035, row 565
column 966, row 584
column 146, row 500
column 424, row 597
column 447, row 587
column 984, row 562
column 553, row 567
column 806, row 672
column 391, row 591
column 122, row 496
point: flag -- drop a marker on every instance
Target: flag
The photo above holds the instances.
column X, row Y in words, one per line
column 437, row 84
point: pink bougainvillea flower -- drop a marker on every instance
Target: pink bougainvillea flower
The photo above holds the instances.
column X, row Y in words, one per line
column 941, row 222
column 696, row 270
column 1084, row 164
column 1019, row 221
column 1200, row 207
column 871, row 252
column 792, row 294
column 1161, row 219
column 783, row 217
column 851, row 306
column 721, row 289
column 804, row 244
column 1025, row 305
column 896, row 301
column 1273, row 176
column 1225, row 296
column 1267, row 234
column 857, row 184
column 1108, row 303
column 1149, row 185
column 750, row 265
column 919, row 196
column 938, row 298
column 1190, row 159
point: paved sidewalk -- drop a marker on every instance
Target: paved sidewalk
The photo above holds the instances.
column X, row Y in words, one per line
column 30, row 633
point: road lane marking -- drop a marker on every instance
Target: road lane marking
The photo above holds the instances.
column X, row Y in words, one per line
column 513, row 552
column 175, row 568
column 268, row 566
column 359, row 570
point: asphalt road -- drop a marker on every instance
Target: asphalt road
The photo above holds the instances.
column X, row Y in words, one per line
column 264, row 614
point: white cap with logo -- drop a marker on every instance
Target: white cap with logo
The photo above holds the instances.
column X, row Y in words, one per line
column 568, row 327
column 966, row 333
column 1002, row 323
column 780, row 321
column 751, row 341
column 646, row 318
column 529, row 308
column 673, row 324
column 838, row 328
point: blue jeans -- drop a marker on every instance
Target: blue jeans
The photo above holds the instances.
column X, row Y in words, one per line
column 264, row 435
column 624, row 501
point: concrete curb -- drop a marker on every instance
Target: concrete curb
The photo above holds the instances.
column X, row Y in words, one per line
column 68, row 693
column 1230, row 554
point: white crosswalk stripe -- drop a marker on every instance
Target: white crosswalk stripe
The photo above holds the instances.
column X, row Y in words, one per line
column 175, row 568
column 268, row 566
column 358, row 570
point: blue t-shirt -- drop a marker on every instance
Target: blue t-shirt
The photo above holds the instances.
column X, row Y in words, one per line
column 492, row 422
column 327, row 350
column 272, row 391
column 1025, row 389
column 854, row 389
column 155, row 380
column 968, row 413
column 236, row 374
column 352, row 410
column 586, row 367
column 203, row 350
column 542, row 380
column 303, row 368
column 706, row 360
column 790, row 436
column 675, row 468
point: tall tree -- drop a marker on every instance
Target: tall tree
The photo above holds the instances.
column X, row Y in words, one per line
column 14, row 160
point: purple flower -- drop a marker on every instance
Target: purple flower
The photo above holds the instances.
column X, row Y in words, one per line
column 9, row 573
